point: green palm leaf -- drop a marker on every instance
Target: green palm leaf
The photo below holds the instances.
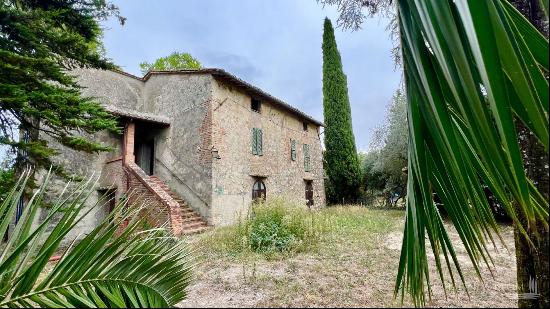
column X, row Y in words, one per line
column 106, row 268
column 471, row 68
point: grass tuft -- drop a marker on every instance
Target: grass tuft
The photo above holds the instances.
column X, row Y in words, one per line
column 277, row 229
column 272, row 229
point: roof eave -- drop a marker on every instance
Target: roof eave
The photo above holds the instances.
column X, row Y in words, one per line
column 222, row 74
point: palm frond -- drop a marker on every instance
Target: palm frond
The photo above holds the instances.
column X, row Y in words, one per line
column 106, row 268
column 471, row 68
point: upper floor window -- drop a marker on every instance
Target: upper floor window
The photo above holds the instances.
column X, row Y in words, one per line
column 257, row 142
column 256, row 105
column 304, row 126
column 307, row 159
column 293, row 150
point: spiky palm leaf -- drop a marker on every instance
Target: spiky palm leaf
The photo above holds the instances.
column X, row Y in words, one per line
column 471, row 67
column 106, row 268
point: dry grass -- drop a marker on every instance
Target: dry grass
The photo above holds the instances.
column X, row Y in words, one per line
column 354, row 265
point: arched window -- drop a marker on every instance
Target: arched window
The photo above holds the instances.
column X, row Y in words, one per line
column 258, row 190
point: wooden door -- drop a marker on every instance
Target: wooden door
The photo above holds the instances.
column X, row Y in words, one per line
column 145, row 154
column 309, row 193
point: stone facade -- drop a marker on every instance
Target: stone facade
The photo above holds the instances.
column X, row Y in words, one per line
column 189, row 117
column 237, row 170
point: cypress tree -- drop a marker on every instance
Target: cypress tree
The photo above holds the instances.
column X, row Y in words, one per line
column 340, row 156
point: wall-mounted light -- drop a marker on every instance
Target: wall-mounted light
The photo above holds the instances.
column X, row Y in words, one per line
column 215, row 153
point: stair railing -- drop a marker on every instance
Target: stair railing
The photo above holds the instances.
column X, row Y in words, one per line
column 177, row 177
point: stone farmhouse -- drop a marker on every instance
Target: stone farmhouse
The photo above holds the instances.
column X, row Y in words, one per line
column 201, row 145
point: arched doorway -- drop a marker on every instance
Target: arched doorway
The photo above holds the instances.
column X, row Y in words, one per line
column 258, row 190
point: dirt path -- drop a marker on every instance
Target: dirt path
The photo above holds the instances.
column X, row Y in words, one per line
column 356, row 270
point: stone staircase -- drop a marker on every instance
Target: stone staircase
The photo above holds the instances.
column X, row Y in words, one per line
column 192, row 222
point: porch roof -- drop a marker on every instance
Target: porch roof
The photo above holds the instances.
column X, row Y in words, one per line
column 127, row 113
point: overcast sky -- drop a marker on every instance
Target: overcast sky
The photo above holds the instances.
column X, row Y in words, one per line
column 275, row 45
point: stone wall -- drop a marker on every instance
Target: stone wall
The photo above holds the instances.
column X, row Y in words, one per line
column 159, row 208
column 203, row 113
column 234, row 174
column 112, row 88
column 108, row 88
column 182, row 150
column 84, row 166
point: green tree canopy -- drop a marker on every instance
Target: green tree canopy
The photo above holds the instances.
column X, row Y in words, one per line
column 477, row 82
column 340, row 156
column 174, row 61
column 383, row 167
column 471, row 67
column 40, row 42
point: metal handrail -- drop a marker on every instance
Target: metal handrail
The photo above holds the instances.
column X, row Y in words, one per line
column 179, row 160
column 181, row 180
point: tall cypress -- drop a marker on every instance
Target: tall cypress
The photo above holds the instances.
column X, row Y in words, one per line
column 340, row 156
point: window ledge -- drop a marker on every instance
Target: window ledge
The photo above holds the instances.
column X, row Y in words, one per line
column 259, row 175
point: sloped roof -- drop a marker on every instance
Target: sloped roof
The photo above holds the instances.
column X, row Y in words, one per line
column 137, row 115
column 229, row 78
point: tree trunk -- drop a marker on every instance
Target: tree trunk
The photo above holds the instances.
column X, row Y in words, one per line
column 532, row 261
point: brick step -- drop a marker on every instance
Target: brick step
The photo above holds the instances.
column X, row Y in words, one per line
column 192, row 219
column 190, row 225
column 195, row 230
column 189, row 215
column 189, row 212
column 185, row 209
column 192, row 222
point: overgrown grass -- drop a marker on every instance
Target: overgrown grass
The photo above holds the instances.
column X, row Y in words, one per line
column 351, row 263
column 277, row 229
column 272, row 229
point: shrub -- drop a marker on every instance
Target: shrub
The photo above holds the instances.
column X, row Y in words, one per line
column 272, row 227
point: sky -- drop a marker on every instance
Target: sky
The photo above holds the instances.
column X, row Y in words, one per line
column 274, row 45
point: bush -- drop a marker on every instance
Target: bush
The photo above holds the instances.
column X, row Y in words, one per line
column 272, row 227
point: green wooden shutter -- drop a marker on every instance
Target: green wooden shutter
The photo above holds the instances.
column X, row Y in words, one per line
column 293, row 150
column 307, row 166
column 254, row 141
column 259, row 142
column 308, row 160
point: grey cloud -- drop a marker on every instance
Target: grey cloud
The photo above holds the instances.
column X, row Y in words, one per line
column 275, row 45
column 235, row 64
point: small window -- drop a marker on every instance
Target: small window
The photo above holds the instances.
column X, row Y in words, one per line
column 256, row 105
column 257, row 142
column 304, row 125
column 293, row 150
column 258, row 190
column 307, row 159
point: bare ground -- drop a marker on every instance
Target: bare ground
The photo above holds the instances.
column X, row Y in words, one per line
column 355, row 269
